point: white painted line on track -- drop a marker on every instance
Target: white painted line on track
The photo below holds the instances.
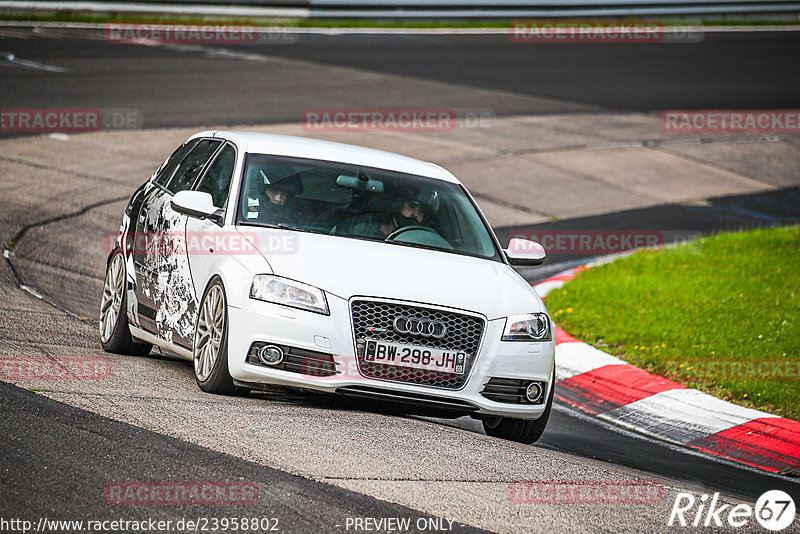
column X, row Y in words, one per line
column 31, row 291
column 208, row 51
column 14, row 61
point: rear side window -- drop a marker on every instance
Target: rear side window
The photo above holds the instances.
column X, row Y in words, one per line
column 217, row 179
column 174, row 160
column 192, row 165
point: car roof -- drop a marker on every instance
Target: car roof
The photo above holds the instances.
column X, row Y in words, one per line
column 304, row 147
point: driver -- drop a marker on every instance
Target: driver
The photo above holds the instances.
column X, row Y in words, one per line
column 416, row 210
column 276, row 202
column 419, row 211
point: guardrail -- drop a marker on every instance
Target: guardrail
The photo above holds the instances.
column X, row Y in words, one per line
column 442, row 8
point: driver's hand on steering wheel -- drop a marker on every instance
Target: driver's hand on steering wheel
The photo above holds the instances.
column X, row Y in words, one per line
column 387, row 228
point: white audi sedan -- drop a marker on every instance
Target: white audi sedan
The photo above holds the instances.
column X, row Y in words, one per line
column 269, row 259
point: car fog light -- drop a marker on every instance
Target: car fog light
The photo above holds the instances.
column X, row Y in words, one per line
column 270, row 355
column 533, row 392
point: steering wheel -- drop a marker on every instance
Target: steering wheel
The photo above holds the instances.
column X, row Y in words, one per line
column 401, row 231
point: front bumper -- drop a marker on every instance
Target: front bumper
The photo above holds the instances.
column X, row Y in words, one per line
column 266, row 322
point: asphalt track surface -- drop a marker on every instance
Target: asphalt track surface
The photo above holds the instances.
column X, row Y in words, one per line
column 674, row 222
column 175, row 85
column 51, row 475
column 76, row 449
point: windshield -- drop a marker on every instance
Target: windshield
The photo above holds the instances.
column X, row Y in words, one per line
column 361, row 202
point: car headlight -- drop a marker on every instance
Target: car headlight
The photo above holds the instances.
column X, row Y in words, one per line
column 527, row 327
column 288, row 292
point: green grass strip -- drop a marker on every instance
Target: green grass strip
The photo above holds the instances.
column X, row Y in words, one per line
column 720, row 314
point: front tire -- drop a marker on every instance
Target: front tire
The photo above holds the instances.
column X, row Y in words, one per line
column 522, row 430
column 210, row 347
column 115, row 334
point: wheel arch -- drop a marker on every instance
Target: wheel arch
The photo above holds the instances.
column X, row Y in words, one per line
column 236, row 281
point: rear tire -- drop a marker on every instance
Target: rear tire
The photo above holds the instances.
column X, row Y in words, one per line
column 522, row 430
column 210, row 347
column 115, row 334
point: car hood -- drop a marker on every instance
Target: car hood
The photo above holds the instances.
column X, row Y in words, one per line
column 352, row 267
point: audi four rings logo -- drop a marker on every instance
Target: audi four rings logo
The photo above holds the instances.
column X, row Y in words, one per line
column 419, row 327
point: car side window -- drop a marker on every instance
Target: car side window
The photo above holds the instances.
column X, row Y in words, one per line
column 217, row 179
column 174, row 160
column 192, row 165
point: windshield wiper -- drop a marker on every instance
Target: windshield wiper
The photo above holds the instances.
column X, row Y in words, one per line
column 416, row 245
column 281, row 226
column 285, row 226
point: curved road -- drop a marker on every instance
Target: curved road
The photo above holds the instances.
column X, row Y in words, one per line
column 317, row 459
column 191, row 85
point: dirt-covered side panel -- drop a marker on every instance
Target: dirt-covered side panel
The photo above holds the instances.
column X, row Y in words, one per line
column 169, row 286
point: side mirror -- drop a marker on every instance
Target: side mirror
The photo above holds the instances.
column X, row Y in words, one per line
column 196, row 204
column 524, row 253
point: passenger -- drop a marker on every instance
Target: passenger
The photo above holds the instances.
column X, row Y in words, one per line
column 276, row 202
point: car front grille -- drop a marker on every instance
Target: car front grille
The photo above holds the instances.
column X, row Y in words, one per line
column 374, row 320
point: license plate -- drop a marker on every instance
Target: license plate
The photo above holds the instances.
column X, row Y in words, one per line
column 415, row 357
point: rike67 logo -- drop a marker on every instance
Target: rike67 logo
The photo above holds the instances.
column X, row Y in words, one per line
column 774, row 510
